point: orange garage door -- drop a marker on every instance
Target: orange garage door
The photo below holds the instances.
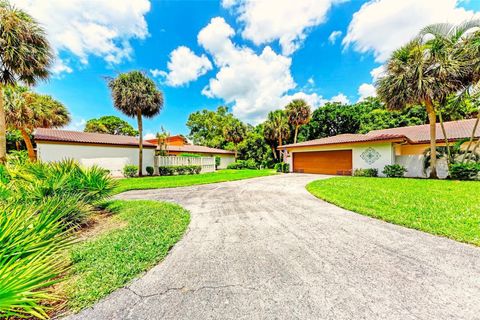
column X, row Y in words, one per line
column 326, row 162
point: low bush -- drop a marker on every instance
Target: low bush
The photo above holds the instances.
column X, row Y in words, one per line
column 191, row 155
column 465, row 171
column 130, row 170
column 217, row 161
column 394, row 171
column 282, row 167
column 149, row 170
column 180, row 170
column 242, row 164
column 371, row 172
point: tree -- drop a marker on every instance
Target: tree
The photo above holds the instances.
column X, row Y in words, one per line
column 136, row 95
column 421, row 72
column 26, row 110
column 234, row 132
column 110, row 125
column 25, row 56
column 254, row 147
column 298, row 113
column 207, row 127
column 276, row 130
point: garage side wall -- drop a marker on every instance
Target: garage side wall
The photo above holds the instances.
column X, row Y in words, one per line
column 375, row 156
column 108, row 157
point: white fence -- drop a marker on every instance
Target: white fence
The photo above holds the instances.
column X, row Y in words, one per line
column 207, row 163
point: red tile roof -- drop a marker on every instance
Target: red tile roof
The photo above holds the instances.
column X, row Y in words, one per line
column 42, row 134
column 189, row 148
column 414, row 134
column 418, row 134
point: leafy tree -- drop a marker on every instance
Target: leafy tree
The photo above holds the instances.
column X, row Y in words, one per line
column 207, row 127
column 298, row 113
column 162, row 138
column 234, row 132
column 255, row 147
column 25, row 56
column 26, row 110
column 136, row 95
column 276, row 130
column 110, row 125
column 15, row 140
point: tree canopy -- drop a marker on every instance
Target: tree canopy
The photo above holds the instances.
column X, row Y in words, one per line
column 110, row 125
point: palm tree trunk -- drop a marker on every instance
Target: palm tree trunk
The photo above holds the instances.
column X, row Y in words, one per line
column 235, row 152
column 296, row 134
column 28, row 143
column 472, row 137
column 274, row 152
column 432, row 118
column 140, row 143
column 445, row 138
column 3, row 130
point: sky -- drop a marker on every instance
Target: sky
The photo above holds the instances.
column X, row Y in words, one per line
column 253, row 56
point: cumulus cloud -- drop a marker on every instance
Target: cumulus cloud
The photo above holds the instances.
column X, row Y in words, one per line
column 102, row 28
column 76, row 124
column 366, row 90
column 340, row 98
column 334, row 36
column 149, row 136
column 381, row 26
column 284, row 20
column 254, row 83
column 184, row 66
column 377, row 72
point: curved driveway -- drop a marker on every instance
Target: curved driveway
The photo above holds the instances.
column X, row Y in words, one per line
column 265, row 248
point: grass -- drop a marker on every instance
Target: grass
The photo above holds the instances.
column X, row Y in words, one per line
column 188, row 180
column 109, row 261
column 441, row 207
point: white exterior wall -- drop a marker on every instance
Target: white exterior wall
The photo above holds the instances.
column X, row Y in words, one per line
column 414, row 165
column 385, row 151
column 225, row 160
column 108, row 157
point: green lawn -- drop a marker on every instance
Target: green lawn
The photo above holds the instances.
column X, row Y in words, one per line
column 110, row 260
column 446, row 208
column 188, row 180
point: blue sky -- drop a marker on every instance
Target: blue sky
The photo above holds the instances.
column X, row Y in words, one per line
column 253, row 56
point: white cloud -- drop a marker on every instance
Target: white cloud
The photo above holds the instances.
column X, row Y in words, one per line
column 381, row 26
column 377, row 72
column 184, row 66
column 149, row 136
column 313, row 99
column 366, row 90
column 254, row 83
column 284, row 20
column 311, row 81
column 157, row 73
column 76, row 124
column 334, row 36
column 101, row 28
column 340, row 98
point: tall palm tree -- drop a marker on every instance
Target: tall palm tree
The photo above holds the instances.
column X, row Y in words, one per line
column 234, row 131
column 25, row 56
column 270, row 136
column 276, row 129
column 27, row 110
column 420, row 73
column 136, row 95
column 298, row 113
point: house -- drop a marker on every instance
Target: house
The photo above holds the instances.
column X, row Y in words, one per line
column 108, row 151
column 341, row 154
column 178, row 144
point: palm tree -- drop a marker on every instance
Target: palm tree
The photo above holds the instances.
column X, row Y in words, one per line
column 25, row 56
column 421, row 73
column 298, row 113
column 234, row 131
column 27, row 110
column 276, row 129
column 270, row 136
column 136, row 95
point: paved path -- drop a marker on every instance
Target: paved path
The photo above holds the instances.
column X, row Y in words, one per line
column 266, row 249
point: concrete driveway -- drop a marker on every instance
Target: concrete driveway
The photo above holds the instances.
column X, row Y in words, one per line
column 266, row 249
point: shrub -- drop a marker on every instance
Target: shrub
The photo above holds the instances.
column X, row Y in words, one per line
column 465, row 171
column 217, row 161
column 394, row 171
column 243, row 164
column 282, row 167
column 130, row 170
column 370, row 172
column 166, row 171
column 149, row 170
column 180, row 170
column 191, row 155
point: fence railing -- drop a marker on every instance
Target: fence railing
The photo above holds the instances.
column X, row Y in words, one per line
column 207, row 163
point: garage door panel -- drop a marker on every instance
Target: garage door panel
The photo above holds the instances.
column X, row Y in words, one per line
column 325, row 162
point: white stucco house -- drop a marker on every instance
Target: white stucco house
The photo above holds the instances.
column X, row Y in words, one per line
column 108, row 151
column 341, row 154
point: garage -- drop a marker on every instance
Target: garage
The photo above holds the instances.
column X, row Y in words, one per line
column 338, row 162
